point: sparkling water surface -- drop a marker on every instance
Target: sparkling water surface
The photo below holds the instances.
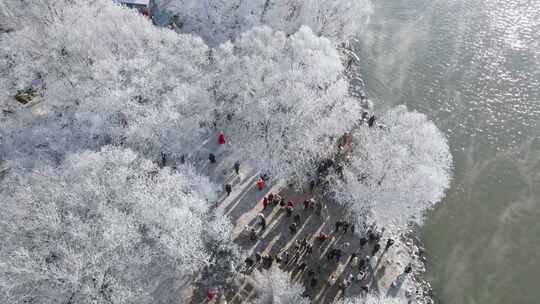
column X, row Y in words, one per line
column 474, row 68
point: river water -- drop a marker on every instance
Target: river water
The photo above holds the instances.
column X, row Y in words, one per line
column 473, row 66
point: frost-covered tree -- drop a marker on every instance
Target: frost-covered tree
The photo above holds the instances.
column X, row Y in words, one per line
column 224, row 255
column 18, row 13
column 395, row 171
column 103, row 227
column 282, row 101
column 274, row 286
column 104, row 74
column 220, row 20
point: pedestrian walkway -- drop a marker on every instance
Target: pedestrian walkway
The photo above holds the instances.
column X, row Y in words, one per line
column 244, row 204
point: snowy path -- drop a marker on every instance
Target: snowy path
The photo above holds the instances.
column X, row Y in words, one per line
column 245, row 202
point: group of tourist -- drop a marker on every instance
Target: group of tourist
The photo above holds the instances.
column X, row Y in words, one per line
column 299, row 257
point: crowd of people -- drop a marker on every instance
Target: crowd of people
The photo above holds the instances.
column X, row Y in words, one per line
column 300, row 258
column 316, row 266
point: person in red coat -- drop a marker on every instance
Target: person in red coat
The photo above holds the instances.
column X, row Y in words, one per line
column 260, row 184
column 211, row 295
column 221, row 138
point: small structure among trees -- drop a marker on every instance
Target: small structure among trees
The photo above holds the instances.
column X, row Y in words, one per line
column 143, row 6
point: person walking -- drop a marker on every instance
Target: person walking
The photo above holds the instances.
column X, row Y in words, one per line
column 363, row 242
column 389, row 243
column 354, row 262
column 376, row 248
column 211, row 294
column 212, row 158
column 297, row 246
column 363, row 263
column 293, row 228
column 330, row 255
column 371, row 121
column 163, row 159
column 309, row 249
column 373, row 236
column 289, row 208
column 313, row 282
column 237, row 167
column 228, row 189
column 311, row 185
column 373, row 261
column 345, row 226
column 343, row 286
column 345, row 245
column 289, row 211
column 267, row 260
column 265, row 202
column 277, row 199
column 408, row 269
column 318, row 208
column 322, row 237
column 260, row 184
column 338, row 253
column 262, row 220
column 303, row 244
column 337, row 226
column 364, row 289
column 252, row 234
column 286, row 258
column 221, row 138
column 249, row 262
column 297, row 218
column 332, row 279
